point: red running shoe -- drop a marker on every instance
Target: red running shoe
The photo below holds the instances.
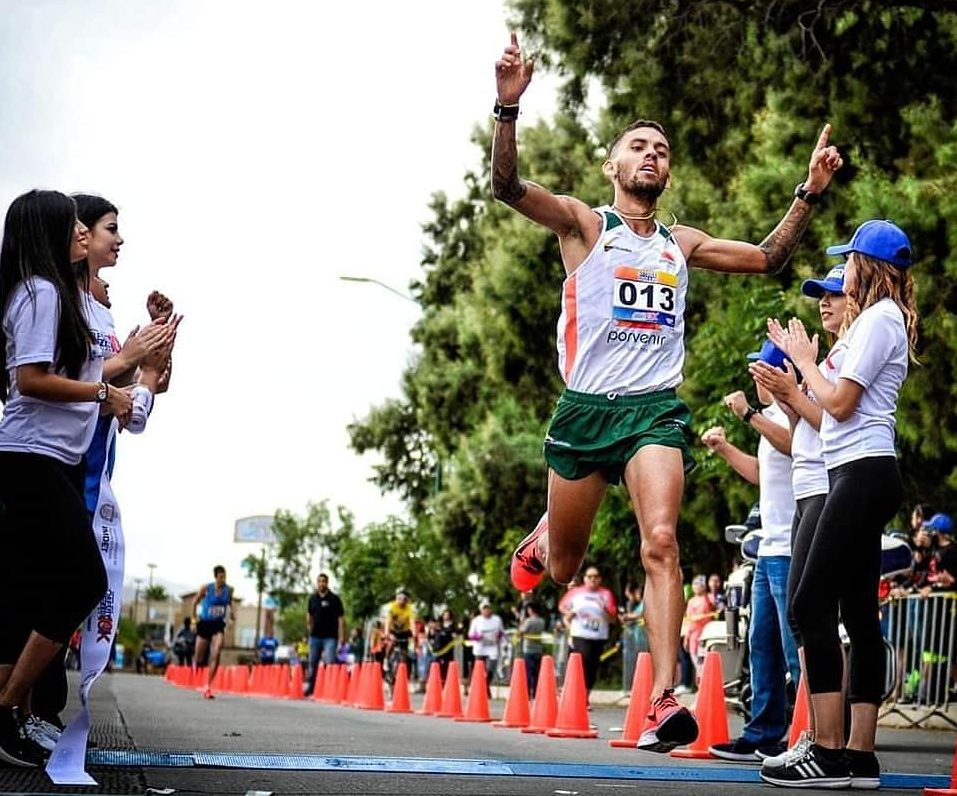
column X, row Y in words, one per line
column 669, row 724
column 208, row 693
column 527, row 570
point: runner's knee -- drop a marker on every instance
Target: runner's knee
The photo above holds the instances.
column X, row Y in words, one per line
column 659, row 549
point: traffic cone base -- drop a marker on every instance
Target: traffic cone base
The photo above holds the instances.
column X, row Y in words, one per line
column 572, row 720
column 711, row 712
column 638, row 704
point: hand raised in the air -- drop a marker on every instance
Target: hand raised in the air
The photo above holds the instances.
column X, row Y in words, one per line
column 825, row 161
column 512, row 73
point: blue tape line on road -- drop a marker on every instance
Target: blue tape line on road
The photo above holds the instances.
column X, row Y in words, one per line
column 435, row 765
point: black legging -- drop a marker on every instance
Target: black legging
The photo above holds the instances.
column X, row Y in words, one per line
column 841, row 573
column 590, row 649
column 55, row 575
column 806, row 516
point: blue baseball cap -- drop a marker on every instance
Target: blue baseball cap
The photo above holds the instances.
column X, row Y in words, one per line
column 880, row 239
column 940, row 523
column 832, row 283
column 769, row 353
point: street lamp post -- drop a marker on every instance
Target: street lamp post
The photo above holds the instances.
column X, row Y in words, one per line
column 149, row 592
column 371, row 281
column 136, row 600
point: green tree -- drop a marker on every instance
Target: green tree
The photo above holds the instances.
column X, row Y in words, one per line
column 741, row 121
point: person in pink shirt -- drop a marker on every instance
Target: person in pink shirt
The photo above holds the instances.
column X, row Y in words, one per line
column 700, row 611
column 588, row 611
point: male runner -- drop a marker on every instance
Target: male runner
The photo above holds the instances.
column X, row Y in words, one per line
column 621, row 353
column 215, row 601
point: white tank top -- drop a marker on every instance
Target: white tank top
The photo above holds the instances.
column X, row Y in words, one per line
column 621, row 329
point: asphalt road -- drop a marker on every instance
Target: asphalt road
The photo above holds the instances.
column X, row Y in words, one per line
column 370, row 752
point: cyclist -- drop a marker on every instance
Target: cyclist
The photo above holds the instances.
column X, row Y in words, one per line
column 399, row 623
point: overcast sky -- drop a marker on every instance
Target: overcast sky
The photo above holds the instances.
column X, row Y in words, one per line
column 257, row 152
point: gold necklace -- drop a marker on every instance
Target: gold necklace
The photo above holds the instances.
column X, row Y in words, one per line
column 633, row 216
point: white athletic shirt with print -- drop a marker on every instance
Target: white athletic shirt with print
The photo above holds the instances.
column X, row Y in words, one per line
column 808, row 473
column 876, row 358
column 103, row 326
column 589, row 606
column 776, row 497
column 621, row 328
column 60, row 430
column 485, row 635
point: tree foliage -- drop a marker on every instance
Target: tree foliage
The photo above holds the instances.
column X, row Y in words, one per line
column 743, row 88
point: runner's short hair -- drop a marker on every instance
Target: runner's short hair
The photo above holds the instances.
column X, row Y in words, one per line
column 217, row 569
column 634, row 126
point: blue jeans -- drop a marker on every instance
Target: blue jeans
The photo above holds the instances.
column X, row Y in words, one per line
column 773, row 652
column 324, row 648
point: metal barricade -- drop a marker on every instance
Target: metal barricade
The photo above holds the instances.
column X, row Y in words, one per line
column 923, row 631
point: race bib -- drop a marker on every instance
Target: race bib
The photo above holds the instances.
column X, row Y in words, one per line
column 644, row 299
column 217, row 611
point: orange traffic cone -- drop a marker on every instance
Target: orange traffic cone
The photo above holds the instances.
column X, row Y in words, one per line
column 295, row 686
column 342, row 684
column 242, row 680
column 638, row 703
column 710, row 710
column 372, row 697
column 952, row 790
column 572, row 721
column 352, row 689
column 516, row 706
column 400, row 692
column 801, row 720
column 433, row 691
column 451, row 694
column 318, row 682
column 476, row 707
column 545, row 708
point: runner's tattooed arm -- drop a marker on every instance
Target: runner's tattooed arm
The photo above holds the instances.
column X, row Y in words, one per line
column 783, row 240
column 506, row 186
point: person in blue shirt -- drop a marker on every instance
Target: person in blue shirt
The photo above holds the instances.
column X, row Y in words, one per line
column 267, row 649
column 214, row 601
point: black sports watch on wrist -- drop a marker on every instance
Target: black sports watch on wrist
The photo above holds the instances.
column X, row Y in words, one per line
column 746, row 417
column 102, row 392
column 802, row 193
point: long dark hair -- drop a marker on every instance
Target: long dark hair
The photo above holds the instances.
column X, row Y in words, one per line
column 37, row 238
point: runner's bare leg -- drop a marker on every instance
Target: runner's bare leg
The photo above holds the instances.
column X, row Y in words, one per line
column 572, row 506
column 655, row 480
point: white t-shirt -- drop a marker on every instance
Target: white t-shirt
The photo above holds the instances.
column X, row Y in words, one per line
column 591, row 608
column 485, row 634
column 808, row 473
column 776, row 495
column 60, row 430
column 876, row 359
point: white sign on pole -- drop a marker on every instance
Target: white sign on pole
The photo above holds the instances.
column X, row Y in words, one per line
column 255, row 529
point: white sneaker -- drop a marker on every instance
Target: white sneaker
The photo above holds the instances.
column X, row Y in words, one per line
column 34, row 730
column 680, row 690
column 797, row 751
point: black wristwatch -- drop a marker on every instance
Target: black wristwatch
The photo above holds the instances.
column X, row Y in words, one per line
column 746, row 417
column 802, row 193
column 102, row 392
column 505, row 113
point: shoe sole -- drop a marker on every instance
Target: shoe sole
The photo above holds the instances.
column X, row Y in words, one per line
column 737, row 757
column 832, row 783
column 865, row 783
column 679, row 729
column 526, row 580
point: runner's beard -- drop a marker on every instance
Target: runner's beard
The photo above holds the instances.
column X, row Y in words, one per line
column 646, row 192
